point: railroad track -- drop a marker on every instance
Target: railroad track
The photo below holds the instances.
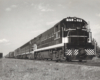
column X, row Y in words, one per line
column 87, row 63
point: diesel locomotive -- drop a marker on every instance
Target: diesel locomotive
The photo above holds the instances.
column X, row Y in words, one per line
column 70, row 39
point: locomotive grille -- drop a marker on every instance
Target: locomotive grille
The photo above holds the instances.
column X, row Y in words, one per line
column 69, row 52
column 76, row 51
column 90, row 51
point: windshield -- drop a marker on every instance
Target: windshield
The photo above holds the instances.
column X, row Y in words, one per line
column 78, row 40
column 78, row 33
column 78, row 36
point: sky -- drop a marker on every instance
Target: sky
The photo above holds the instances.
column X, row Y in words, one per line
column 22, row 20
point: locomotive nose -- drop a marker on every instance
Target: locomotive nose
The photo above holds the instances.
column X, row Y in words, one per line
column 82, row 54
column 81, row 50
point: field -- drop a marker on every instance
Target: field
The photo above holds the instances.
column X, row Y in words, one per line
column 18, row 69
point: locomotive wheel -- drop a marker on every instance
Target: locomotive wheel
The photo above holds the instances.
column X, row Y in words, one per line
column 69, row 60
column 35, row 56
column 56, row 60
column 80, row 60
column 51, row 59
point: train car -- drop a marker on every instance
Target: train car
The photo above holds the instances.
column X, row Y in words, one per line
column 25, row 50
column 70, row 39
column 11, row 54
column 1, row 55
column 17, row 53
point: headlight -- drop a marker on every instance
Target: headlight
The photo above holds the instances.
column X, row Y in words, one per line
column 77, row 19
column 81, row 20
column 67, row 20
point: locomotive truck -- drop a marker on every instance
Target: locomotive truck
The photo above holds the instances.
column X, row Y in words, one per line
column 70, row 39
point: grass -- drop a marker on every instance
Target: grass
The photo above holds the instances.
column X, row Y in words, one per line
column 17, row 69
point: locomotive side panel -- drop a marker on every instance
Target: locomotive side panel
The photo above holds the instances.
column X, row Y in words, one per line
column 49, row 38
column 48, row 41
